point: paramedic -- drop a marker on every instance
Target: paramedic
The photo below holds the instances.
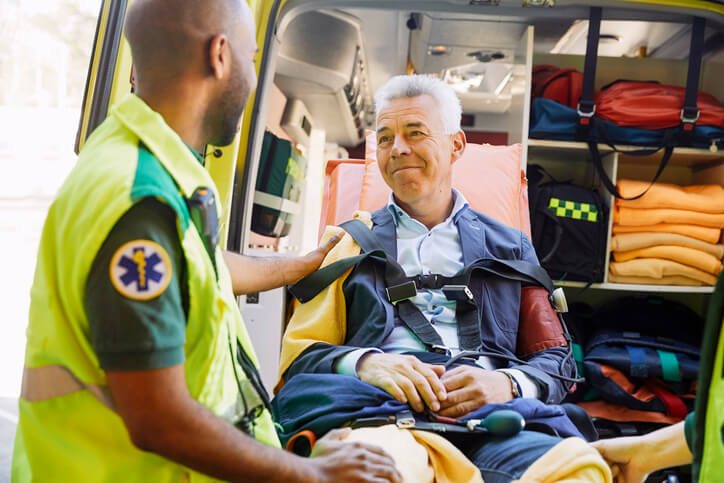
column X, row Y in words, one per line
column 137, row 360
column 430, row 229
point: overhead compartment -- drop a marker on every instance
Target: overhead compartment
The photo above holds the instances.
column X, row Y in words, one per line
column 322, row 63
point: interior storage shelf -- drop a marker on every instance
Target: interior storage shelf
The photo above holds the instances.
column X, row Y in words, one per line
column 638, row 288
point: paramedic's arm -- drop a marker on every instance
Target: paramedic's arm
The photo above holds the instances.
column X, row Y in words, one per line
column 257, row 274
column 633, row 458
column 163, row 418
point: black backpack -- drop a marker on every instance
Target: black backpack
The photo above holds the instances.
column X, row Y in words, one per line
column 569, row 224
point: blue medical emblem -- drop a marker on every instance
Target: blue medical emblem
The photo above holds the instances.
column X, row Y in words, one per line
column 140, row 270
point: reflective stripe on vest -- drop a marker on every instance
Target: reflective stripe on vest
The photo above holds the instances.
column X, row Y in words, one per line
column 48, row 382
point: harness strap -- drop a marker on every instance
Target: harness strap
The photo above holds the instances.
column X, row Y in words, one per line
column 48, row 382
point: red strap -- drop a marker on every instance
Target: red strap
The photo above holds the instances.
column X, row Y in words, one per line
column 674, row 405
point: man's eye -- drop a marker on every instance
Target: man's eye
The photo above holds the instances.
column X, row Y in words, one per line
column 383, row 139
column 416, row 133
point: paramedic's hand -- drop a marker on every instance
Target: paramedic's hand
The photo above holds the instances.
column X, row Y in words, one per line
column 308, row 263
column 406, row 378
column 469, row 388
column 258, row 274
column 633, row 458
column 337, row 461
column 625, row 456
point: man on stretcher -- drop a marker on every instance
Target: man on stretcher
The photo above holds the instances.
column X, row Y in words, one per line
column 364, row 327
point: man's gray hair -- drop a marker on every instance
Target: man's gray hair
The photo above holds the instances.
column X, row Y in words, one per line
column 417, row 85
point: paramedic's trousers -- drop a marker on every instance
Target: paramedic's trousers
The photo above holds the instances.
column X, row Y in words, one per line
column 501, row 459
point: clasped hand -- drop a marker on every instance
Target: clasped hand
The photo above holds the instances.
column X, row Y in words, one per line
column 454, row 393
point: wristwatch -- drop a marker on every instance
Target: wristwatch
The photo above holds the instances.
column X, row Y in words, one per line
column 514, row 386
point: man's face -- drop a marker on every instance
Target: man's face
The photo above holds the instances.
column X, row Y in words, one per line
column 413, row 152
column 242, row 80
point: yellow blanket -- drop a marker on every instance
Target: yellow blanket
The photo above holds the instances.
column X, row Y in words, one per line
column 633, row 241
column 651, row 216
column 420, row 456
column 688, row 256
column 324, row 318
column 709, row 235
column 571, row 460
column 659, row 268
column 670, row 280
column 705, row 198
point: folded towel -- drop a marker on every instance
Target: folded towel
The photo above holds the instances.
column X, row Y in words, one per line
column 651, row 216
column 670, row 280
column 571, row 460
column 709, row 235
column 659, row 268
column 632, row 241
column 704, row 198
column 688, row 256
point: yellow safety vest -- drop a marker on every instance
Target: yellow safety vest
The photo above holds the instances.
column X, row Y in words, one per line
column 68, row 429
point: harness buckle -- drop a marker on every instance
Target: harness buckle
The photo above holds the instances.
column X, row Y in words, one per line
column 429, row 281
column 403, row 291
column 405, row 420
column 459, row 293
column 440, row 349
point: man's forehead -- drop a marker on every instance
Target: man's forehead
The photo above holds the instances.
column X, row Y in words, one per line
column 421, row 110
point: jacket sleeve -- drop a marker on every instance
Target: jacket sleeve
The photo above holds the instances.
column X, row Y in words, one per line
column 553, row 358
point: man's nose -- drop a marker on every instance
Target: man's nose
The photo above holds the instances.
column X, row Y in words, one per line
column 400, row 147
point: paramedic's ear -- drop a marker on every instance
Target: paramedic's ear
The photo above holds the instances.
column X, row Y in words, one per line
column 219, row 60
column 458, row 145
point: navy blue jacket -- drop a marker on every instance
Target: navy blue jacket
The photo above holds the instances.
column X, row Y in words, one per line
column 371, row 318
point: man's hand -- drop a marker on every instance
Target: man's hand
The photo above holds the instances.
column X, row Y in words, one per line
column 337, row 461
column 469, row 388
column 406, row 378
column 626, row 458
column 308, row 263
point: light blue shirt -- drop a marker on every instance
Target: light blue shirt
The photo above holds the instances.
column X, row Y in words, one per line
column 422, row 251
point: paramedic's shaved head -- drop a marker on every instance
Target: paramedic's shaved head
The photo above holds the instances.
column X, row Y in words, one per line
column 194, row 58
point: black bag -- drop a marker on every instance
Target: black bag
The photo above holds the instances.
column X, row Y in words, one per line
column 568, row 226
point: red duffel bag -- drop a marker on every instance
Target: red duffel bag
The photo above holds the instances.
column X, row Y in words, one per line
column 648, row 105
column 561, row 85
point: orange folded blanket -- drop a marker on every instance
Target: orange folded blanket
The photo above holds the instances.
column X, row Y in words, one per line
column 651, row 216
column 709, row 235
column 671, row 280
column 688, row 256
column 707, row 198
column 632, row 241
column 659, row 268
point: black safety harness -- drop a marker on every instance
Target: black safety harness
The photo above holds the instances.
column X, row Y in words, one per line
column 400, row 289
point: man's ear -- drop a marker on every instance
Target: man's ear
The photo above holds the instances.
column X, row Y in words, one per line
column 219, row 60
column 458, row 145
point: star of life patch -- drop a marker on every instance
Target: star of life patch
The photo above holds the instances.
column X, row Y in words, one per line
column 140, row 270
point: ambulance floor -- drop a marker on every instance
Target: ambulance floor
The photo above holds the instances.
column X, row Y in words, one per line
column 8, row 422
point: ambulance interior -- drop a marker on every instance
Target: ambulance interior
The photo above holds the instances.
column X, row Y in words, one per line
column 316, row 92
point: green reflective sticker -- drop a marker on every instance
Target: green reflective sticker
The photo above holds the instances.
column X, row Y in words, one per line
column 573, row 209
column 669, row 366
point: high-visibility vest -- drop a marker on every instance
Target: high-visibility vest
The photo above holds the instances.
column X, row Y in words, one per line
column 709, row 419
column 68, row 429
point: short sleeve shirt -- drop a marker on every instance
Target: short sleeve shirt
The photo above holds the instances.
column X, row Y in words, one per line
column 136, row 312
column 134, row 323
